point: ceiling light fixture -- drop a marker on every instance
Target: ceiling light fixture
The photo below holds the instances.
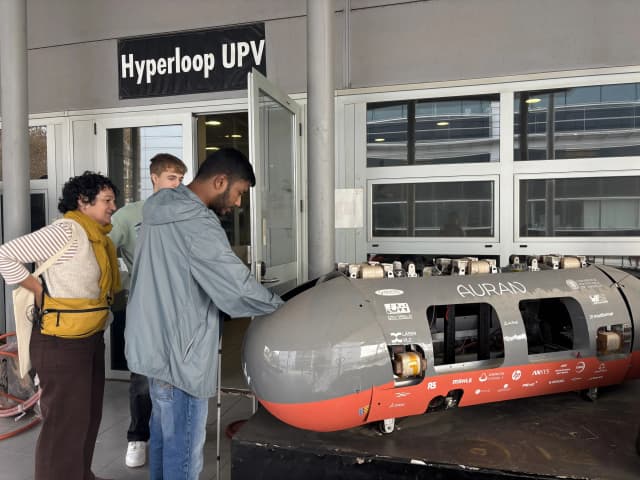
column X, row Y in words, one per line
column 533, row 100
column 213, row 123
column 442, row 124
column 212, row 148
column 378, row 139
column 236, row 135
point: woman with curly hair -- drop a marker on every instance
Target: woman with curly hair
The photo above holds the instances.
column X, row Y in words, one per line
column 73, row 298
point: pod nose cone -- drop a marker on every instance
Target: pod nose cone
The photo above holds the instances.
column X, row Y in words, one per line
column 322, row 344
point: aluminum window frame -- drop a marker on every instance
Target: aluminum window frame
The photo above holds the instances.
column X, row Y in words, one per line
column 351, row 170
column 395, row 243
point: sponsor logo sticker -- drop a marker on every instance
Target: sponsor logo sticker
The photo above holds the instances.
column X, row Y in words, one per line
column 598, row 298
column 461, row 381
column 572, row 284
column 397, row 308
column 389, row 292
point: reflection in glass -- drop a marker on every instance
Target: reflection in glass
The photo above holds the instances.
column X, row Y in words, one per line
column 277, row 178
column 582, row 122
column 455, row 130
column 129, row 151
column 228, row 130
column 388, row 134
column 570, row 207
column 438, row 209
column 38, row 211
column 37, row 153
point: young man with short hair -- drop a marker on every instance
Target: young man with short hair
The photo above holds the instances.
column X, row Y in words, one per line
column 167, row 171
column 184, row 274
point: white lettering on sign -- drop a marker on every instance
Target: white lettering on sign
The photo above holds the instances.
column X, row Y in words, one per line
column 489, row 289
column 461, row 381
column 230, row 59
column 233, row 55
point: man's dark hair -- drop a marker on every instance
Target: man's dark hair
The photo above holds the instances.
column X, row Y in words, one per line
column 84, row 187
column 227, row 161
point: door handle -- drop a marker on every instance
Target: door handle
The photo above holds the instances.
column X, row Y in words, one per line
column 270, row 280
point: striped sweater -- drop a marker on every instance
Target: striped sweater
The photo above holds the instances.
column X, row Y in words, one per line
column 75, row 274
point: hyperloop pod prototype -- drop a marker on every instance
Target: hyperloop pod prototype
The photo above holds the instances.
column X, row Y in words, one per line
column 347, row 351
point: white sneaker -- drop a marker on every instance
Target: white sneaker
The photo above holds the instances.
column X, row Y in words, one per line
column 136, row 454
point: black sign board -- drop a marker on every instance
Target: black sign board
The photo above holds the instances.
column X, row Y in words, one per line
column 190, row 62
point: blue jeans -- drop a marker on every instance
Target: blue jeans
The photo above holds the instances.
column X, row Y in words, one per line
column 178, row 430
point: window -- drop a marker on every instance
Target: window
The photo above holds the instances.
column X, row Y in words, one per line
column 569, row 207
column 465, row 333
column 38, row 211
column 554, row 325
column 579, row 122
column 37, row 152
column 419, row 132
column 129, row 151
column 228, row 130
column 437, row 209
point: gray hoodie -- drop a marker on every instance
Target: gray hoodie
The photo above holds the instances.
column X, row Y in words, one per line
column 184, row 271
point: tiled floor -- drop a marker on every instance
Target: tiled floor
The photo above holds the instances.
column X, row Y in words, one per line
column 16, row 453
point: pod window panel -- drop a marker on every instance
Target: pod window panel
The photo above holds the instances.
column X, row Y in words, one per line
column 553, row 325
column 464, row 333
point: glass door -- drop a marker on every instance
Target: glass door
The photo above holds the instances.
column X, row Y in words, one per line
column 125, row 147
column 276, row 200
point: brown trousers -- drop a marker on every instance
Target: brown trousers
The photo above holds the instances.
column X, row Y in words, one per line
column 71, row 373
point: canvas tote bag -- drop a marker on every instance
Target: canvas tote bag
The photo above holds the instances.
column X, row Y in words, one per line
column 24, row 310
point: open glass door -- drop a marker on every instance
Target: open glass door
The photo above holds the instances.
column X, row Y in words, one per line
column 276, row 236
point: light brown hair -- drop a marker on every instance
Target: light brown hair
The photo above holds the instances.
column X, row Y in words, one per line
column 165, row 161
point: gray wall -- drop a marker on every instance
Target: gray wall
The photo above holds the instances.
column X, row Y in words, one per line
column 73, row 62
column 463, row 39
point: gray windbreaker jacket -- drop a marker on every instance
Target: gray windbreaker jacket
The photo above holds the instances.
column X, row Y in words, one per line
column 184, row 271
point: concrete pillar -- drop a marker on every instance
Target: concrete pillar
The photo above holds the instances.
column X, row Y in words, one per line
column 321, row 136
column 16, row 209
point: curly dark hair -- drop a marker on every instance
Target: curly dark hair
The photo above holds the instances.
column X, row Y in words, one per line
column 84, row 187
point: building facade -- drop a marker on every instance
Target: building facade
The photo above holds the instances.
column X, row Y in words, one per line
column 462, row 127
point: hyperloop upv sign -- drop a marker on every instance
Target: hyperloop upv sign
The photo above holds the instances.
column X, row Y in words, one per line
column 190, row 62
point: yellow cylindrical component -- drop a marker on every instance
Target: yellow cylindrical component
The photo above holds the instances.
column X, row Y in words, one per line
column 570, row 262
column 478, row 266
column 372, row 271
column 608, row 342
column 408, row 364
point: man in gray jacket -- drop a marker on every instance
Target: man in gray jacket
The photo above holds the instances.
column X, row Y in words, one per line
column 184, row 274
